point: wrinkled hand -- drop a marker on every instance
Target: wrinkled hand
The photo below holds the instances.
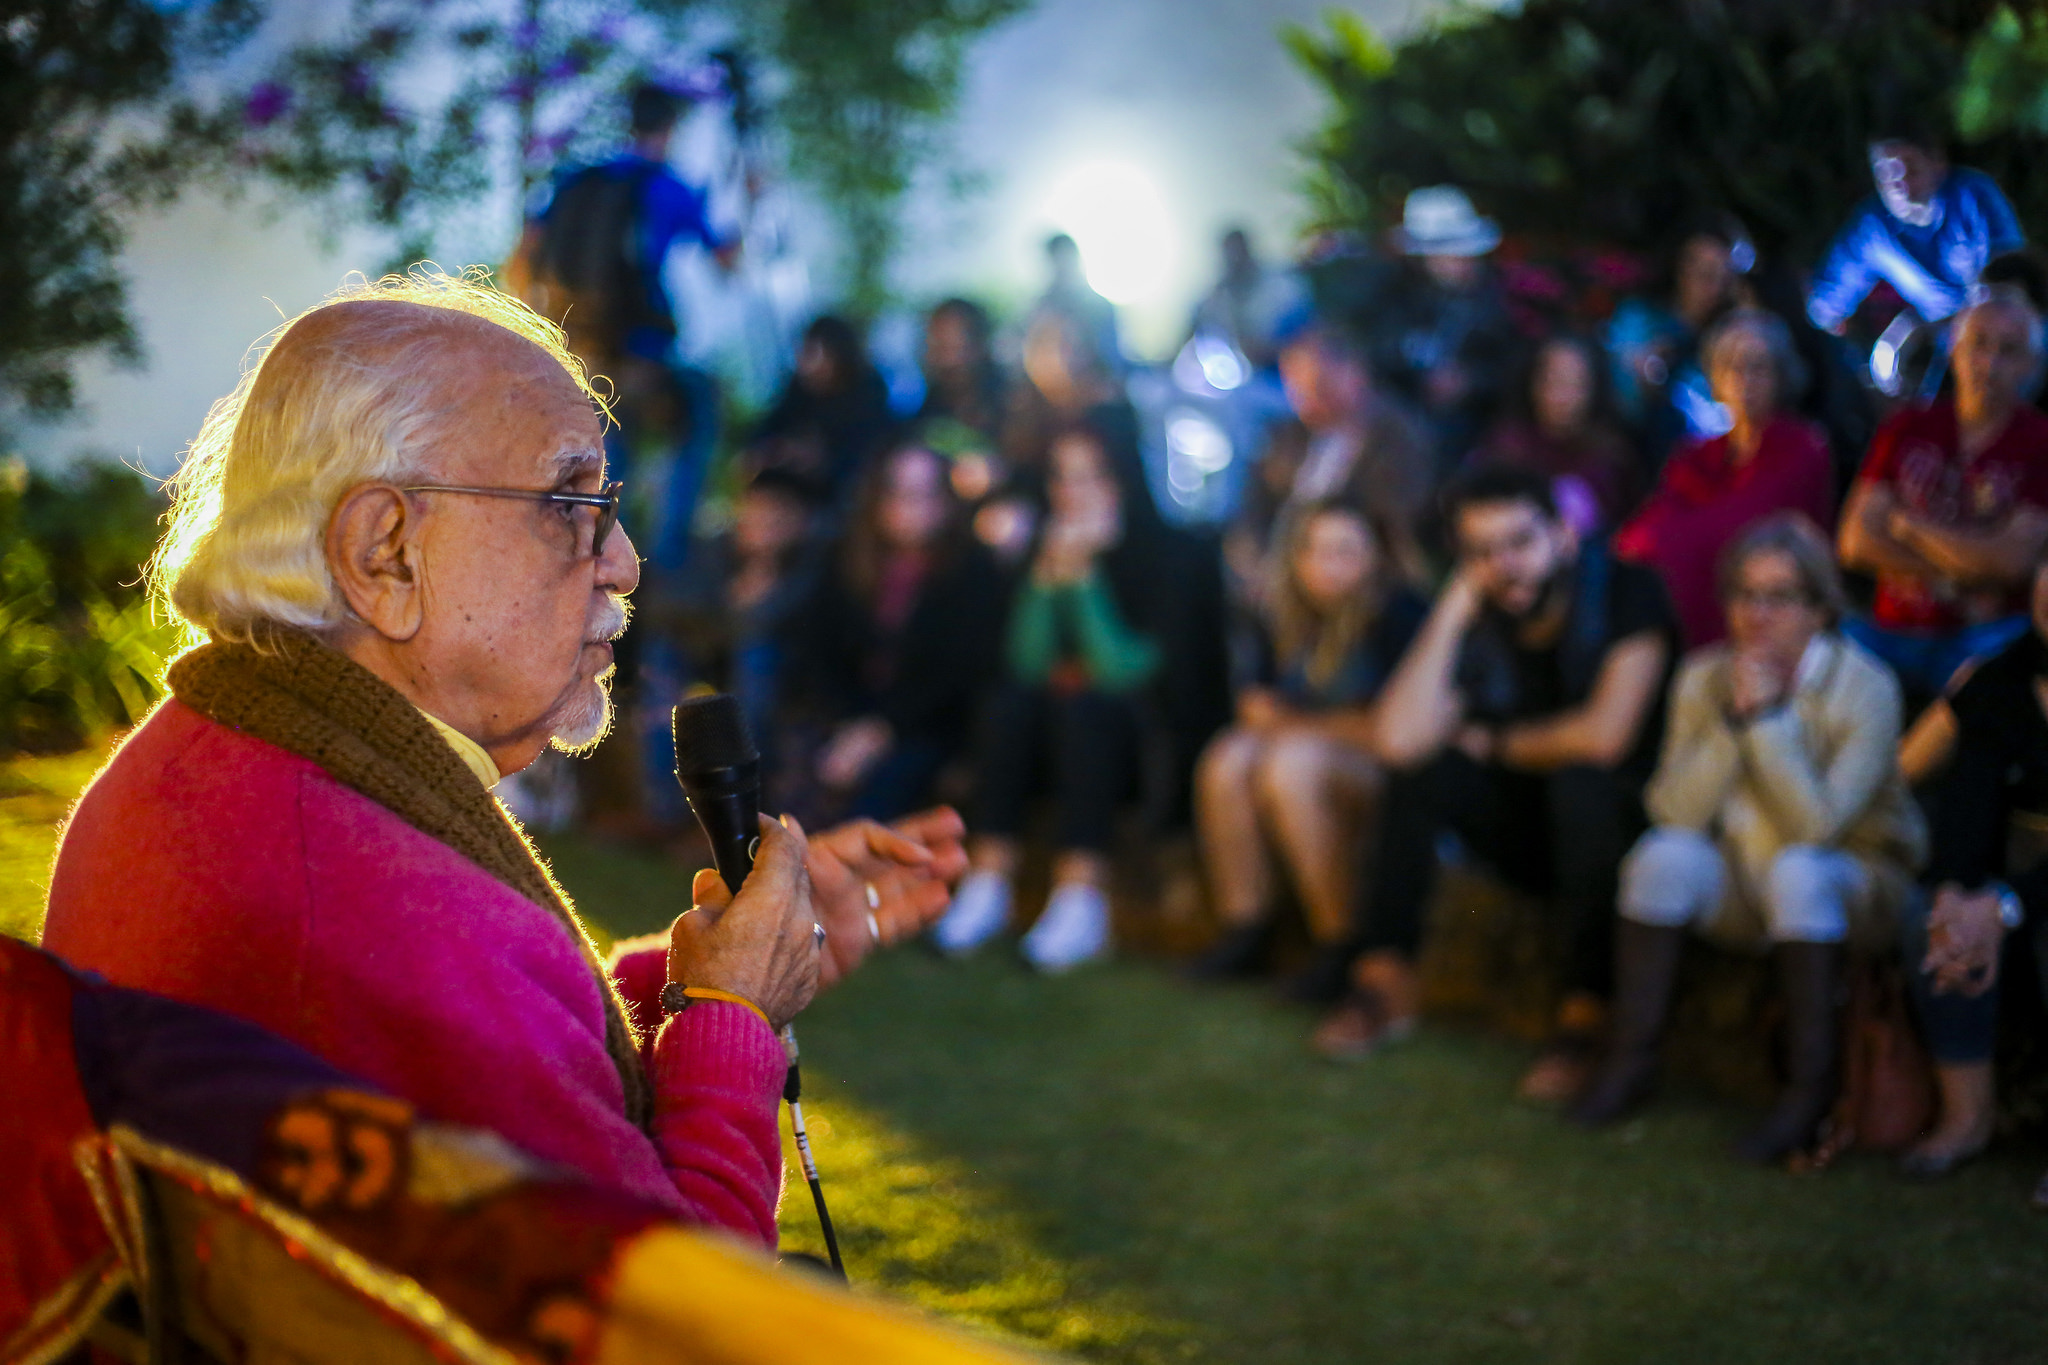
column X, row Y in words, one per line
column 912, row 866
column 759, row 945
column 1963, row 939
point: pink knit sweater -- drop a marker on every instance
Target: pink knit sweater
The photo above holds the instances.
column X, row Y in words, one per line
column 215, row 868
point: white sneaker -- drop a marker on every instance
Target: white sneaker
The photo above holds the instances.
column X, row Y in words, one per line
column 1074, row 929
column 980, row 910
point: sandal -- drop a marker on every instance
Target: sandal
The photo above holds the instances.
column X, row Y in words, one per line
column 1359, row 1027
column 1563, row 1071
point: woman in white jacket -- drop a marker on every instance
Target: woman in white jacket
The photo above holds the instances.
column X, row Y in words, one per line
column 1780, row 819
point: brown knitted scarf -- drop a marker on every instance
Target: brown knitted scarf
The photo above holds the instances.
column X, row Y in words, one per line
column 301, row 695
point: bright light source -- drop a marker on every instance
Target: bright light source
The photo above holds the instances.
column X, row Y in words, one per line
column 1117, row 216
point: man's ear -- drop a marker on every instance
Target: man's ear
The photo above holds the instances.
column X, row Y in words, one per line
column 374, row 555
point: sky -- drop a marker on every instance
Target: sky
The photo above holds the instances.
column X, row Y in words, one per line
column 1143, row 127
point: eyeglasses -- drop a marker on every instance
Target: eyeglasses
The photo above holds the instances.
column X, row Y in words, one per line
column 1770, row 599
column 606, row 501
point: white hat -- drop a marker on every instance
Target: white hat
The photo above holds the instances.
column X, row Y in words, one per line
column 1439, row 220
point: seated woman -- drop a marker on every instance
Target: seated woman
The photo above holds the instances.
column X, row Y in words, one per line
column 894, row 650
column 1292, row 780
column 1989, row 872
column 1768, row 461
column 1560, row 426
column 830, row 417
column 1084, row 644
column 1780, row 819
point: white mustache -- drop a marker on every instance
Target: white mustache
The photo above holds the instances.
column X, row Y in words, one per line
column 610, row 623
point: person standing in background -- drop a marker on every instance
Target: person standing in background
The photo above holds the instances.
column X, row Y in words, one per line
column 1443, row 339
column 1928, row 232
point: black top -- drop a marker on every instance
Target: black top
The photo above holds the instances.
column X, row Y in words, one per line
column 2000, row 765
column 926, row 678
column 1504, row 681
column 826, row 438
column 1363, row 671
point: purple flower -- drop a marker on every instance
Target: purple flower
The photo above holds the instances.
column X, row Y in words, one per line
column 267, row 103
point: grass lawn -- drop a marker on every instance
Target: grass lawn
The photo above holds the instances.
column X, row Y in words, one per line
column 35, row 791
column 1130, row 1169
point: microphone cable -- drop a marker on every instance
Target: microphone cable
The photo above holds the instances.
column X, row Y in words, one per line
column 792, row 1091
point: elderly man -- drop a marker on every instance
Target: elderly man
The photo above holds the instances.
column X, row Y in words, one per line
column 397, row 534
column 1950, row 510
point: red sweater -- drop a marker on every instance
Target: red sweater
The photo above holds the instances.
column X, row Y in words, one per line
column 1704, row 500
column 209, row 866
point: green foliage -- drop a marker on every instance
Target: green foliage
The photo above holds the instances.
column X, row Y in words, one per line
column 2004, row 86
column 81, row 650
column 92, row 125
column 871, row 84
column 1620, row 121
column 405, row 117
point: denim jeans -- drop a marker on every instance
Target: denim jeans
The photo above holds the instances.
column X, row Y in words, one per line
column 1925, row 663
column 1675, row 877
column 1963, row 1029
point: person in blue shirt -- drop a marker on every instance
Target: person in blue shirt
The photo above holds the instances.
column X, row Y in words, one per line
column 1927, row 232
column 593, row 258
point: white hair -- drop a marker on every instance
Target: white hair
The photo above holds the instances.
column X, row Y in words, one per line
column 332, row 402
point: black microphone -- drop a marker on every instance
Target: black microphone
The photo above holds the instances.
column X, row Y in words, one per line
column 720, row 773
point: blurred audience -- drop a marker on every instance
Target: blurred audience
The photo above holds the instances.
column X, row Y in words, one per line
column 831, row 416
column 1442, row 336
column 1768, row 460
column 897, row 643
column 1560, row 424
column 1087, row 636
column 1653, row 343
column 962, row 382
column 1526, row 718
column 1361, row 444
column 1070, row 297
column 1950, row 511
column 1928, row 232
column 738, row 593
column 1781, row 820
column 1293, row 782
column 1250, row 303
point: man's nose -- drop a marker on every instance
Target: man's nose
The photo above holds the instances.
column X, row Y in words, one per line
column 619, row 567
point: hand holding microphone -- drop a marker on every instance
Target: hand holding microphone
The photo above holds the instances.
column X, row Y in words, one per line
column 760, row 944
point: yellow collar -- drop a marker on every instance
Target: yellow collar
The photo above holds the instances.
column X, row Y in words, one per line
column 473, row 755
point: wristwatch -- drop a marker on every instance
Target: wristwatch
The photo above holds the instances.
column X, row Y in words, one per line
column 2011, row 912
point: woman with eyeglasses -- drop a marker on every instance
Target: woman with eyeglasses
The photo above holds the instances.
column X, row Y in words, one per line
column 1769, row 460
column 1781, row 822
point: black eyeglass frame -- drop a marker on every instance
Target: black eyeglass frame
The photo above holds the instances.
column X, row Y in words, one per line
column 605, row 500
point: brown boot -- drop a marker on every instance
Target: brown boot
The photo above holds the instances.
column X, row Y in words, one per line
column 1810, row 975
column 1646, row 967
